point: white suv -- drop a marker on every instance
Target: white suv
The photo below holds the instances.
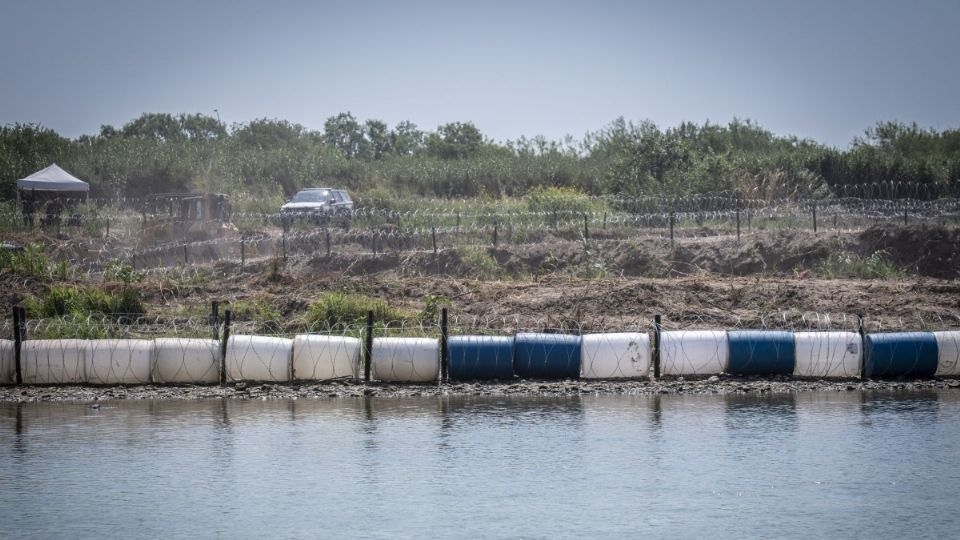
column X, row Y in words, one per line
column 319, row 205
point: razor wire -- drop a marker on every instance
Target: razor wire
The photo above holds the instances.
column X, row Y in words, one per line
column 171, row 350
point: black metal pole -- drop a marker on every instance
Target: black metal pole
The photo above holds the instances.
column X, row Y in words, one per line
column 671, row 230
column 223, row 348
column 368, row 347
column 284, row 247
column 814, row 218
column 495, row 236
column 328, row 242
column 186, row 259
column 656, row 346
column 444, row 359
column 17, row 342
column 586, row 229
column 433, row 234
column 863, row 343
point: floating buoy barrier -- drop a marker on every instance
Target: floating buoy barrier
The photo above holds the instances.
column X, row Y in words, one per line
column 760, row 352
column 401, row 359
column 900, row 354
column 622, row 355
column 546, row 356
column 321, row 358
column 119, row 361
column 827, row 354
column 948, row 348
column 693, row 352
column 8, row 362
column 526, row 355
column 54, row 361
column 258, row 358
column 480, row 357
column 186, row 360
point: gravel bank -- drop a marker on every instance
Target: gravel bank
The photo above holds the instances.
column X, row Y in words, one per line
column 341, row 389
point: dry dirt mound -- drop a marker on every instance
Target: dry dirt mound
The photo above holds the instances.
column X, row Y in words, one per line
column 927, row 251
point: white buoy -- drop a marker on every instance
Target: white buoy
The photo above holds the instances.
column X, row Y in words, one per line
column 320, row 358
column 397, row 359
column 827, row 354
column 119, row 361
column 186, row 360
column 258, row 358
column 948, row 347
column 8, row 362
column 53, row 361
column 693, row 352
column 615, row 355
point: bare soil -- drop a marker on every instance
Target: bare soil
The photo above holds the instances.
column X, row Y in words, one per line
column 766, row 279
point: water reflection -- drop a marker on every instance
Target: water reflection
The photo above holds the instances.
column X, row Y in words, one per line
column 774, row 412
column 614, row 466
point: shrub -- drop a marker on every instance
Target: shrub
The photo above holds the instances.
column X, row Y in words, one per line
column 344, row 310
column 845, row 264
column 561, row 199
column 62, row 301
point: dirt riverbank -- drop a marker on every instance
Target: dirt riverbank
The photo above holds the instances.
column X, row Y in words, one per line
column 350, row 389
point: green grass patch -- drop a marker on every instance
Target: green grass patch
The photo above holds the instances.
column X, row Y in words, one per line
column 70, row 300
column 344, row 311
column 845, row 264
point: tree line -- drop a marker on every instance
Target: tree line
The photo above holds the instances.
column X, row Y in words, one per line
column 159, row 152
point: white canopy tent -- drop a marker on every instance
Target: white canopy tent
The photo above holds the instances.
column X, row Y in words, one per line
column 53, row 179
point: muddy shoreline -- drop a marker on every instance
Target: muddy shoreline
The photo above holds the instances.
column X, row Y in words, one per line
column 716, row 385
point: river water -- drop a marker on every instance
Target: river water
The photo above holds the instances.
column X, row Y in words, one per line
column 806, row 465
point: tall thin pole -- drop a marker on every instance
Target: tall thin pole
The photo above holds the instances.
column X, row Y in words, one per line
column 368, row 347
column 223, row 348
column 444, row 335
column 656, row 346
column 18, row 326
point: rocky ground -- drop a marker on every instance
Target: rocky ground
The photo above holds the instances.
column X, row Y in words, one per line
column 351, row 389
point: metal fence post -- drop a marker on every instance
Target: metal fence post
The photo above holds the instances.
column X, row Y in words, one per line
column 656, row 346
column 671, row 230
column 863, row 343
column 368, row 347
column 18, row 326
column 444, row 334
column 223, row 348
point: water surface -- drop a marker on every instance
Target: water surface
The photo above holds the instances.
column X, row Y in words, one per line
column 804, row 466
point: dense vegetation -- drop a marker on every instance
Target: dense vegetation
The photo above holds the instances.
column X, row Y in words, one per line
column 267, row 160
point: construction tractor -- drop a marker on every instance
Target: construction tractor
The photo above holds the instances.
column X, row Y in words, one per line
column 186, row 217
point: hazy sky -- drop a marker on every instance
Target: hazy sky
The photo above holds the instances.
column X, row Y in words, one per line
column 822, row 69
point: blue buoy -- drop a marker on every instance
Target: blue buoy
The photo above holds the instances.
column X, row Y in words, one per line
column 901, row 354
column 480, row 357
column 546, row 356
column 761, row 352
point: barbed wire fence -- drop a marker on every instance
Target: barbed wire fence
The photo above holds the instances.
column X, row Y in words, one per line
column 105, row 230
